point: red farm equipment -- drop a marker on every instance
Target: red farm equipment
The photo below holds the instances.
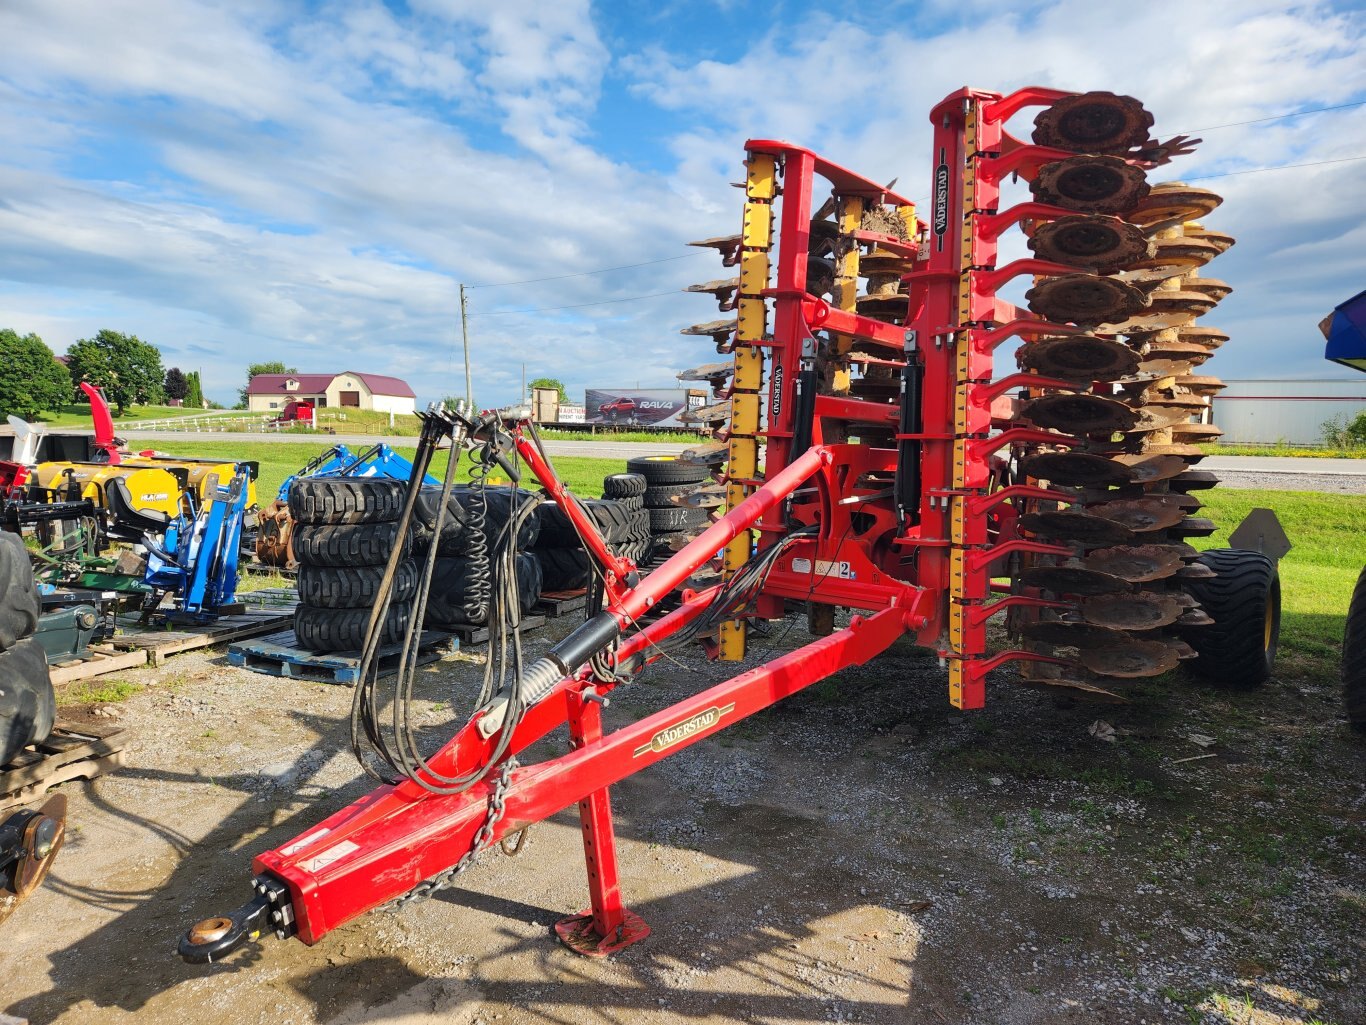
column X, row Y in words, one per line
column 872, row 461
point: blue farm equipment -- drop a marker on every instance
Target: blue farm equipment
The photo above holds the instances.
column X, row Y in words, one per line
column 1345, row 330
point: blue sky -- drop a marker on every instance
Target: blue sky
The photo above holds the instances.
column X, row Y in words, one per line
column 253, row 180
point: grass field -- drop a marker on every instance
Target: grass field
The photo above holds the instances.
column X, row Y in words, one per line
column 1304, row 452
column 1328, row 532
column 78, row 415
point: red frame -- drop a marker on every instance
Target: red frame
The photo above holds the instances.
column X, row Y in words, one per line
column 931, row 579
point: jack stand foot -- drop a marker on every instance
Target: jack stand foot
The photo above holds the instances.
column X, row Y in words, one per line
column 577, row 933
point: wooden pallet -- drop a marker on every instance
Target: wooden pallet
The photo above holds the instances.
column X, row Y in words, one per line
column 101, row 659
column 72, row 752
column 480, row 634
column 172, row 639
column 554, row 604
column 279, row 654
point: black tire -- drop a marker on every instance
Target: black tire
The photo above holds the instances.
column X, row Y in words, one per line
column 676, row 519
column 353, row 587
column 613, row 519
column 345, row 499
column 623, row 485
column 501, row 502
column 19, row 607
column 28, row 705
column 428, row 504
column 1238, row 650
column 1354, row 657
column 353, row 544
column 659, row 470
column 660, row 497
column 562, row 569
column 451, row 584
column 344, row 629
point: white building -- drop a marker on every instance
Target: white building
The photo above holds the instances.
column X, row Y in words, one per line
column 269, row 393
column 1266, row 412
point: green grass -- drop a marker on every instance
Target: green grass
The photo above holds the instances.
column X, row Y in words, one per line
column 102, row 692
column 614, row 435
column 1317, row 576
column 1304, row 452
column 582, row 474
column 75, row 415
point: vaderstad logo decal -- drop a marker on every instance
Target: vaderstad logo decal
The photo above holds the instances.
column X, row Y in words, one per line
column 681, row 731
column 777, row 389
column 941, row 199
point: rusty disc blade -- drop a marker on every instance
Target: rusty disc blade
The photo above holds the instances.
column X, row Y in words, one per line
column 1075, row 525
column 1174, row 201
column 1190, row 452
column 1130, row 660
column 1094, row 122
column 1071, row 635
column 1195, row 617
column 705, row 497
column 1194, row 526
column 1079, row 357
column 1195, row 303
column 1195, row 480
column 1155, row 418
column 1071, row 580
column 1081, row 469
column 1070, row 681
column 1085, row 299
column 1156, row 347
column 1196, row 431
column 1090, row 184
column 708, row 454
column 1215, row 238
column 1136, row 564
column 1198, row 384
column 715, row 414
column 1080, row 413
column 1096, row 241
column 1149, row 468
column 1185, row 253
column 1212, row 287
column 708, row 372
column 1142, row 610
column 1141, row 515
column 716, row 328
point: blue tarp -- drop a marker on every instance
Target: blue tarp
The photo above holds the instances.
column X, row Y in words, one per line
column 1345, row 329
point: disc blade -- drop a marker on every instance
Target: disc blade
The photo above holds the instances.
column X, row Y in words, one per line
column 1131, row 660
column 1146, row 469
column 1140, row 515
column 1071, row 580
column 1085, row 299
column 1139, row 610
column 1094, row 122
column 1098, row 242
column 1090, row 184
column 1079, row 357
column 1136, row 564
column 1073, row 525
column 1080, row 413
column 1080, row 469
column 1072, row 635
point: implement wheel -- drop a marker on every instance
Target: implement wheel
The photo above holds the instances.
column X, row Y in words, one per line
column 1354, row 657
column 1238, row 650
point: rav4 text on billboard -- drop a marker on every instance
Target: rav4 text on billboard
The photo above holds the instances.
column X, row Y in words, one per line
column 656, row 407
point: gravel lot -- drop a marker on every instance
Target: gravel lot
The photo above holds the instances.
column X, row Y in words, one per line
column 860, row 853
column 1326, row 483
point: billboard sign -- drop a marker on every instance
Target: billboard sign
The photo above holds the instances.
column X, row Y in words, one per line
column 650, row 407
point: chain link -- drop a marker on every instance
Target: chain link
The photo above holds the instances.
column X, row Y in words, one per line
column 482, row 839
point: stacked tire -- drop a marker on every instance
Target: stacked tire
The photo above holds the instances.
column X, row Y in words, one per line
column 345, row 529
column 667, row 478
column 460, row 594
column 28, row 706
column 621, row 518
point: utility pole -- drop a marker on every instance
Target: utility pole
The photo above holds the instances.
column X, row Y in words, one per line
column 524, row 394
column 465, row 337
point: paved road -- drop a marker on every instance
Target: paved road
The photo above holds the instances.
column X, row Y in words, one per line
column 1284, row 464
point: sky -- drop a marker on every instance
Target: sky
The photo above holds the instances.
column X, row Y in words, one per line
column 312, row 181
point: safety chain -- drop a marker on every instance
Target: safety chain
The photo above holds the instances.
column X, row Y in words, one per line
column 482, row 839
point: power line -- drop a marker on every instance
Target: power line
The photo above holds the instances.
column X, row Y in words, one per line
column 1278, row 167
column 585, row 273
column 575, row 306
column 1273, row 117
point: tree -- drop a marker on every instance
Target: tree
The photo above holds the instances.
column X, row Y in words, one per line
column 32, row 380
column 176, row 385
column 194, row 395
column 126, row 367
column 256, row 370
column 550, row 382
